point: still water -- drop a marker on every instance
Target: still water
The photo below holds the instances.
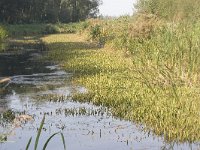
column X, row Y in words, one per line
column 39, row 88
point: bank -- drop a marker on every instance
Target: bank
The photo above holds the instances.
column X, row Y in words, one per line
column 113, row 81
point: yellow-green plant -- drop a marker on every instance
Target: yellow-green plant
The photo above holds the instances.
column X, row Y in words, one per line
column 145, row 87
column 3, row 33
column 174, row 10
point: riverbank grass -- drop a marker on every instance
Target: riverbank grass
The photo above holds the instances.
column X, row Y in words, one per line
column 114, row 81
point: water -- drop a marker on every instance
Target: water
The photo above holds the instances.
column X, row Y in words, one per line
column 39, row 88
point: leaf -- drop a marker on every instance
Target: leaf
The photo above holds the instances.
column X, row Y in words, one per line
column 29, row 142
column 63, row 140
column 39, row 132
column 45, row 145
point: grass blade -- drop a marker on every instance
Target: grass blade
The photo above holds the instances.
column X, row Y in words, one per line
column 63, row 140
column 45, row 145
column 39, row 132
column 29, row 142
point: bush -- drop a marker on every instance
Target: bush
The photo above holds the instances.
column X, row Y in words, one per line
column 99, row 32
column 51, row 29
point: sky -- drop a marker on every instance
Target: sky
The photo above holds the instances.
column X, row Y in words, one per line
column 116, row 7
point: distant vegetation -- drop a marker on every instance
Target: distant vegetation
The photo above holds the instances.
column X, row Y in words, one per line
column 3, row 33
column 147, row 70
column 173, row 10
column 41, row 29
column 47, row 11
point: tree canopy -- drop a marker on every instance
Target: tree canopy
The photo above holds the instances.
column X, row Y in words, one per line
column 48, row 11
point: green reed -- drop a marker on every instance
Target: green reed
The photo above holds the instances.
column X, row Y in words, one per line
column 150, row 77
column 48, row 140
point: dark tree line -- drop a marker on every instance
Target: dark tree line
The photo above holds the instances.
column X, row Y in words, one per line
column 48, row 11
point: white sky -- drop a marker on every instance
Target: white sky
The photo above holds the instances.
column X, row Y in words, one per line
column 117, row 7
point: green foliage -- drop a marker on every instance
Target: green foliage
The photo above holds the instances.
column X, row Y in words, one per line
column 98, row 32
column 50, row 29
column 40, row 29
column 3, row 33
column 171, row 9
column 47, row 11
column 48, row 140
column 154, row 44
column 157, row 74
column 3, row 138
column 7, row 116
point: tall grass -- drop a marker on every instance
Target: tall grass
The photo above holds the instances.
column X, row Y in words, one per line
column 173, row 10
column 149, row 85
column 48, row 140
column 147, row 69
column 156, row 45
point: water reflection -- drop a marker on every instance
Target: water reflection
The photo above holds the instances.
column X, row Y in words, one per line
column 39, row 88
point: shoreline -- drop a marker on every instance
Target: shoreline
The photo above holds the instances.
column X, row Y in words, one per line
column 111, row 81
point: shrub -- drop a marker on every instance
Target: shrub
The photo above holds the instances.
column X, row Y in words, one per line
column 99, row 32
column 51, row 29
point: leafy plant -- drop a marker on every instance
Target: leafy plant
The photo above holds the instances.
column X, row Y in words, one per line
column 159, row 80
column 98, row 34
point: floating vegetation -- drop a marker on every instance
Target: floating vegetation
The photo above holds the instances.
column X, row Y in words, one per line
column 3, row 138
column 83, row 111
column 52, row 97
column 154, row 86
column 7, row 116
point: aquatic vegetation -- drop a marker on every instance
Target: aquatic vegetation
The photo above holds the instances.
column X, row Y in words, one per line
column 7, row 116
column 153, row 85
column 11, row 119
column 52, row 97
column 48, row 140
column 3, row 33
column 3, row 138
column 83, row 111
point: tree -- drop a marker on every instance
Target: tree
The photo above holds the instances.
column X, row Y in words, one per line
column 51, row 11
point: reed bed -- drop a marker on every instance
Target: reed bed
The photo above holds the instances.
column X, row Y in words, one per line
column 156, row 84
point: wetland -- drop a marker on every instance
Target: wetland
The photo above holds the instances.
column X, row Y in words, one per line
column 39, row 87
